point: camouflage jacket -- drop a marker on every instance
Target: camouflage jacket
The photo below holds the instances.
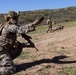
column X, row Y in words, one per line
column 8, row 35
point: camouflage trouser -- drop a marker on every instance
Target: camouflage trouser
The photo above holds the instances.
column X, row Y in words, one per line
column 6, row 64
column 49, row 28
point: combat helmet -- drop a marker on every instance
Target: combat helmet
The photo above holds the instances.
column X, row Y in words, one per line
column 12, row 14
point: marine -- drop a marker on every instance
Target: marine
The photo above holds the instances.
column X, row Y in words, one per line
column 49, row 23
column 9, row 46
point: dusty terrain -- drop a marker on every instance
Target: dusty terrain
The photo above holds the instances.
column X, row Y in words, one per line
column 56, row 51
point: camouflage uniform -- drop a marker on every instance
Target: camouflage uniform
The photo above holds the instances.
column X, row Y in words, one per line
column 7, row 42
column 49, row 22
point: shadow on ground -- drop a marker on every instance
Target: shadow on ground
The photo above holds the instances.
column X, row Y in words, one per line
column 56, row 60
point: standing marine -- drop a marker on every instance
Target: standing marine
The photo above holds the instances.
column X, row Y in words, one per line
column 49, row 23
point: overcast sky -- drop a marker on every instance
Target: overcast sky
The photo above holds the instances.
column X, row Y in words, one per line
column 26, row 5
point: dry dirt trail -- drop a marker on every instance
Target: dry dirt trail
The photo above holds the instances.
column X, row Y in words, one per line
column 56, row 51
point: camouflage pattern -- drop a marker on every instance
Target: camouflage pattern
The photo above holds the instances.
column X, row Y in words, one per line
column 28, row 27
column 49, row 22
column 7, row 43
column 9, row 47
column 6, row 64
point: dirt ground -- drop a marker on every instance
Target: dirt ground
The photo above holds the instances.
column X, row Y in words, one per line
column 56, row 51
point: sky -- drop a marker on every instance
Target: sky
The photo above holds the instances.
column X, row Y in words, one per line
column 28, row 5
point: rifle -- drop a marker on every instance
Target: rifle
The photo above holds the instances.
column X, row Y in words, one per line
column 33, row 45
column 29, row 43
column 36, row 48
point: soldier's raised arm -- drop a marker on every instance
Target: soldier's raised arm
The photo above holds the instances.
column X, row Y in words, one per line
column 12, row 27
column 31, row 26
column 12, row 18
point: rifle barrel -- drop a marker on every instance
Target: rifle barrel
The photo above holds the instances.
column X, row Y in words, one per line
column 36, row 48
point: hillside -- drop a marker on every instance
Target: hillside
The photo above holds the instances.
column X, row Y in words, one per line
column 57, row 15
